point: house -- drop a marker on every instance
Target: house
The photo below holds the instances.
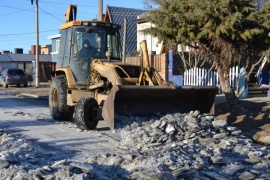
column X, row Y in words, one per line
column 27, row 62
column 55, row 46
column 44, row 49
column 154, row 48
column 116, row 15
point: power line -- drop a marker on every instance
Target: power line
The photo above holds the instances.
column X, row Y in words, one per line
column 17, row 8
column 26, row 33
column 60, row 6
column 45, row 12
column 50, row 14
column 21, row 38
column 48, row 1
column 9, row 13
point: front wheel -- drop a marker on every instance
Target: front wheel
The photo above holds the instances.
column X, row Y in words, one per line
column 86, row 112
column 58, row 99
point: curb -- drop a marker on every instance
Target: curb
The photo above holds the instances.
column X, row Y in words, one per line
column 30, row 95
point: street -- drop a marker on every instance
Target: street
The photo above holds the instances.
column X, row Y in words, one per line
column 30, row 118
column 171, row 146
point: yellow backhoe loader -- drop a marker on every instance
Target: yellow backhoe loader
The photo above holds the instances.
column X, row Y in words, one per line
column 92, row 83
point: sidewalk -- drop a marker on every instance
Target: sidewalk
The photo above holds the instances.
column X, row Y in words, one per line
column 220, row 98
column 43, row 92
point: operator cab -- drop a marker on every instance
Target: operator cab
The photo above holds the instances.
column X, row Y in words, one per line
column 102, row 41
column 87, row 40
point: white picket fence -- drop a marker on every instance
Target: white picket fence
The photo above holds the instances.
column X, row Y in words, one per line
column 203, row 77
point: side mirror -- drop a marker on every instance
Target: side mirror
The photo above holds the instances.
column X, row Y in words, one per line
column 109, row 55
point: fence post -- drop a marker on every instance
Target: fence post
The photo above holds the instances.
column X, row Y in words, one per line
column 184, row 78
column 211, row 78
column 188, row 78
column 237, row 74
column 230, row 76
column 268, row 92
column 193, row 77
column 204, row 77
column 199, row 77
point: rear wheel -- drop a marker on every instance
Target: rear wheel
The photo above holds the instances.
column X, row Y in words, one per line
column 58, row 99
column 86, row 113
column 18, row 85
column 25, row 85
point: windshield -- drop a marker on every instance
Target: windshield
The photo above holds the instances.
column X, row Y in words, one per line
column 95, row 42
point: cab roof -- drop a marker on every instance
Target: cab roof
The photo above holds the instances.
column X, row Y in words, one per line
column 89, row 23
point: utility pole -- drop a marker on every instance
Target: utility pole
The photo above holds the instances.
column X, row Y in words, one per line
column 37, row 46
column 100, row 9
column 124, row 40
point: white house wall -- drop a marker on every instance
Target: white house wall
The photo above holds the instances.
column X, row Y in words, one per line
column 55, row 46
column 28, row 67
column 152, row 42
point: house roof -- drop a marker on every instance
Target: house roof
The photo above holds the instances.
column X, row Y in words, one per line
column 142, row 17
column 54, row 36
column 24, row 58
column 4, row 58
column 116, row 15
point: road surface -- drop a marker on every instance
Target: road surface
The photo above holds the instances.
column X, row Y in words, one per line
column 30, row 118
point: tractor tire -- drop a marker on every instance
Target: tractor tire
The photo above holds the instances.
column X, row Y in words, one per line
column 58, row 99
column 86, row 113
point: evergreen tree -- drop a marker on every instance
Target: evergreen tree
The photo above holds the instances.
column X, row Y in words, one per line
column 225, row 31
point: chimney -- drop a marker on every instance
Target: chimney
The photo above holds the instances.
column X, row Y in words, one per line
column 33, row 49
column 5, row 52
column 18, row 50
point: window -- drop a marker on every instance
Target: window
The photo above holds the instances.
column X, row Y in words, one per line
column 101, row 39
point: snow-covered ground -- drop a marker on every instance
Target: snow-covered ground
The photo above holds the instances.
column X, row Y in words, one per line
column 172, row 146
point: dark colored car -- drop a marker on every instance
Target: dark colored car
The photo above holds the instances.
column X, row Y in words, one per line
column 12, row 76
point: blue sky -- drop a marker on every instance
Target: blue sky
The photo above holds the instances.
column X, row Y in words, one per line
column 18, row 24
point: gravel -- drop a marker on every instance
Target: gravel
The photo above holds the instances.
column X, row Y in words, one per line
column 172, row 146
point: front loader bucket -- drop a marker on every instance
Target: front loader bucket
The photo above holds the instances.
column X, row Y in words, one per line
column 146, row 100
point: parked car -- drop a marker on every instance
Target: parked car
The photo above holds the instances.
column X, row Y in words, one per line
column 12, row 76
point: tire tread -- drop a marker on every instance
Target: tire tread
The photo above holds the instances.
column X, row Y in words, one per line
column 63, row 111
